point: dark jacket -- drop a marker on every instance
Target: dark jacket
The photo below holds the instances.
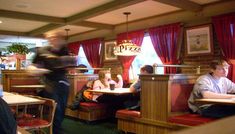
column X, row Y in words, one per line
column 8, row 123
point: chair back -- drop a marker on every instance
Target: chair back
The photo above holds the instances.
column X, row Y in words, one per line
column 41, row 117
column 48, row 110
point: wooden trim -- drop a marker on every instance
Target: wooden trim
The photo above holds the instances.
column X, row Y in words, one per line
column 111, row 6
column 44, row 29
column 3, row 32
column 94, row 25
column 156, row 123
column 29, row 16
column 114, row 5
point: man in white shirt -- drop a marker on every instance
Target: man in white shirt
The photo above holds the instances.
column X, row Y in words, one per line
column 213, row 85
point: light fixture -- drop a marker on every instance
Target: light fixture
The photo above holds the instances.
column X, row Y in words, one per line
column 67, row 33
column 127, row 48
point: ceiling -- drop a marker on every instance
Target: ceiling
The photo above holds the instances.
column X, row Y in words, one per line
column 33, row 18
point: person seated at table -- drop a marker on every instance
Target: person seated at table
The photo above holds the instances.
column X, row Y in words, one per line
column 82, row 66
column 134, row 101
column 8, row 123
column 104, row 82
column 213, row 85
column 146, row 69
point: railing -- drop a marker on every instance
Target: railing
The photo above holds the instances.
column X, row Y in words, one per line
column 196, row 67
column 92, row 68
column 75, row 70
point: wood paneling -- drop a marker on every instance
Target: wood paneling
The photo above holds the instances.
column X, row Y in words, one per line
column 19, row 77
column 155, row 104
column 76, row 84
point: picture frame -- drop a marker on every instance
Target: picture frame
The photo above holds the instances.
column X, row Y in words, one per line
column 109, row 51
column 199, row 40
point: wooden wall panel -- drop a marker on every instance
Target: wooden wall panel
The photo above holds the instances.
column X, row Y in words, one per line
column 76, row 84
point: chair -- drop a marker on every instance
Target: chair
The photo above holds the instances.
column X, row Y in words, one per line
column 42, row 119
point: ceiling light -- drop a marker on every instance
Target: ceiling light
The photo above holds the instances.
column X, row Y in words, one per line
column 0, row 21
column 127, row 48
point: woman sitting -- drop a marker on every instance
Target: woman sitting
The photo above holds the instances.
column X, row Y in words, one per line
column 103, row 82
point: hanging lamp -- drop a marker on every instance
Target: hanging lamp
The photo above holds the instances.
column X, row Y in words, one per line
column 67, row 34
column 127, row 47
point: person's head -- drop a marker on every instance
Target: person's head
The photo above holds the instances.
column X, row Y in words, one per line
column 57, row 40
column 146, row 69
column 219, row 68
column 82, row 66
column 104, row 75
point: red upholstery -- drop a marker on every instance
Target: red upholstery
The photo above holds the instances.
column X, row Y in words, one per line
column 190, row 119
column 128, row 113
column 92, row 106
column 32, row 122
column 179, row 97
column 80, row 84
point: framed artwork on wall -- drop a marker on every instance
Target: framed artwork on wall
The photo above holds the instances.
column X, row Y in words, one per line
column 199, row 40
column 109, row 51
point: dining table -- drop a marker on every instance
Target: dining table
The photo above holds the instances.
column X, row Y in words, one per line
column 216, row 101
column 115, row 91
column 14, row 99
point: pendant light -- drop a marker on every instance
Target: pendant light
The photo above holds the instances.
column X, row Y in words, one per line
column 127, row 48
column 67, row 34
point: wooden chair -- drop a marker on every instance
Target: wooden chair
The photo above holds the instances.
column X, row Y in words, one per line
column 43, row 118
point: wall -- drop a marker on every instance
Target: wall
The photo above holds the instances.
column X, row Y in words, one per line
column 188, row 19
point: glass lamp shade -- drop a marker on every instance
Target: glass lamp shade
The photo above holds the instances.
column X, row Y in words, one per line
column 127, row 48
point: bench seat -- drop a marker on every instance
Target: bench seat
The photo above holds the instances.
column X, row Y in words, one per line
column 128, row 113
column 190, row 119
column 91, row 111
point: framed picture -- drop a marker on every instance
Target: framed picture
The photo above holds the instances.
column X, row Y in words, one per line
column 109, row 51
column 199, row 40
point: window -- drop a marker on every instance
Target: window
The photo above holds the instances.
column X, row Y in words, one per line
column 147, row 56
column 83, row 60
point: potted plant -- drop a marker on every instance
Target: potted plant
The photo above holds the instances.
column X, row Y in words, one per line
column 19, row 50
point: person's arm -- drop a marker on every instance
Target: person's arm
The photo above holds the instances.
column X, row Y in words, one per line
column 212, row 95
column 120, row 81
column 135, row 87
column 230, row 85
column 96, row 85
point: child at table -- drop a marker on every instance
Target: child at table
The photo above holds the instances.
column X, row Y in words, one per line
column 213, row 85
column 103, row 82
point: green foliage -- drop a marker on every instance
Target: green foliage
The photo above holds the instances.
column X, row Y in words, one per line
column 19, row 48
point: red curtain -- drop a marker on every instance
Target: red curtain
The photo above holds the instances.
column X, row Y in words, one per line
column 92, row 51
column 165, row 41
column 225, row 30
column 137, row 38
column 74, row 47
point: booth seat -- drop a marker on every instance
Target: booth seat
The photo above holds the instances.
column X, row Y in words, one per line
column 128, row 113
column 190, row 119
column 179, row 104
column 179, row 108
column 91, row 111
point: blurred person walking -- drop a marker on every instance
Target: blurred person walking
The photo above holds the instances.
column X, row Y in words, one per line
column 51, row 61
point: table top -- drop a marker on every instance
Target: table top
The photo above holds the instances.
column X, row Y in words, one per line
column 28, row 86
column 17, row 99
column 21, row 131
column 216, row 101
column 115, row 91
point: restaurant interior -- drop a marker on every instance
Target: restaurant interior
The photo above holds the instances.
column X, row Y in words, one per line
column 179, row 39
